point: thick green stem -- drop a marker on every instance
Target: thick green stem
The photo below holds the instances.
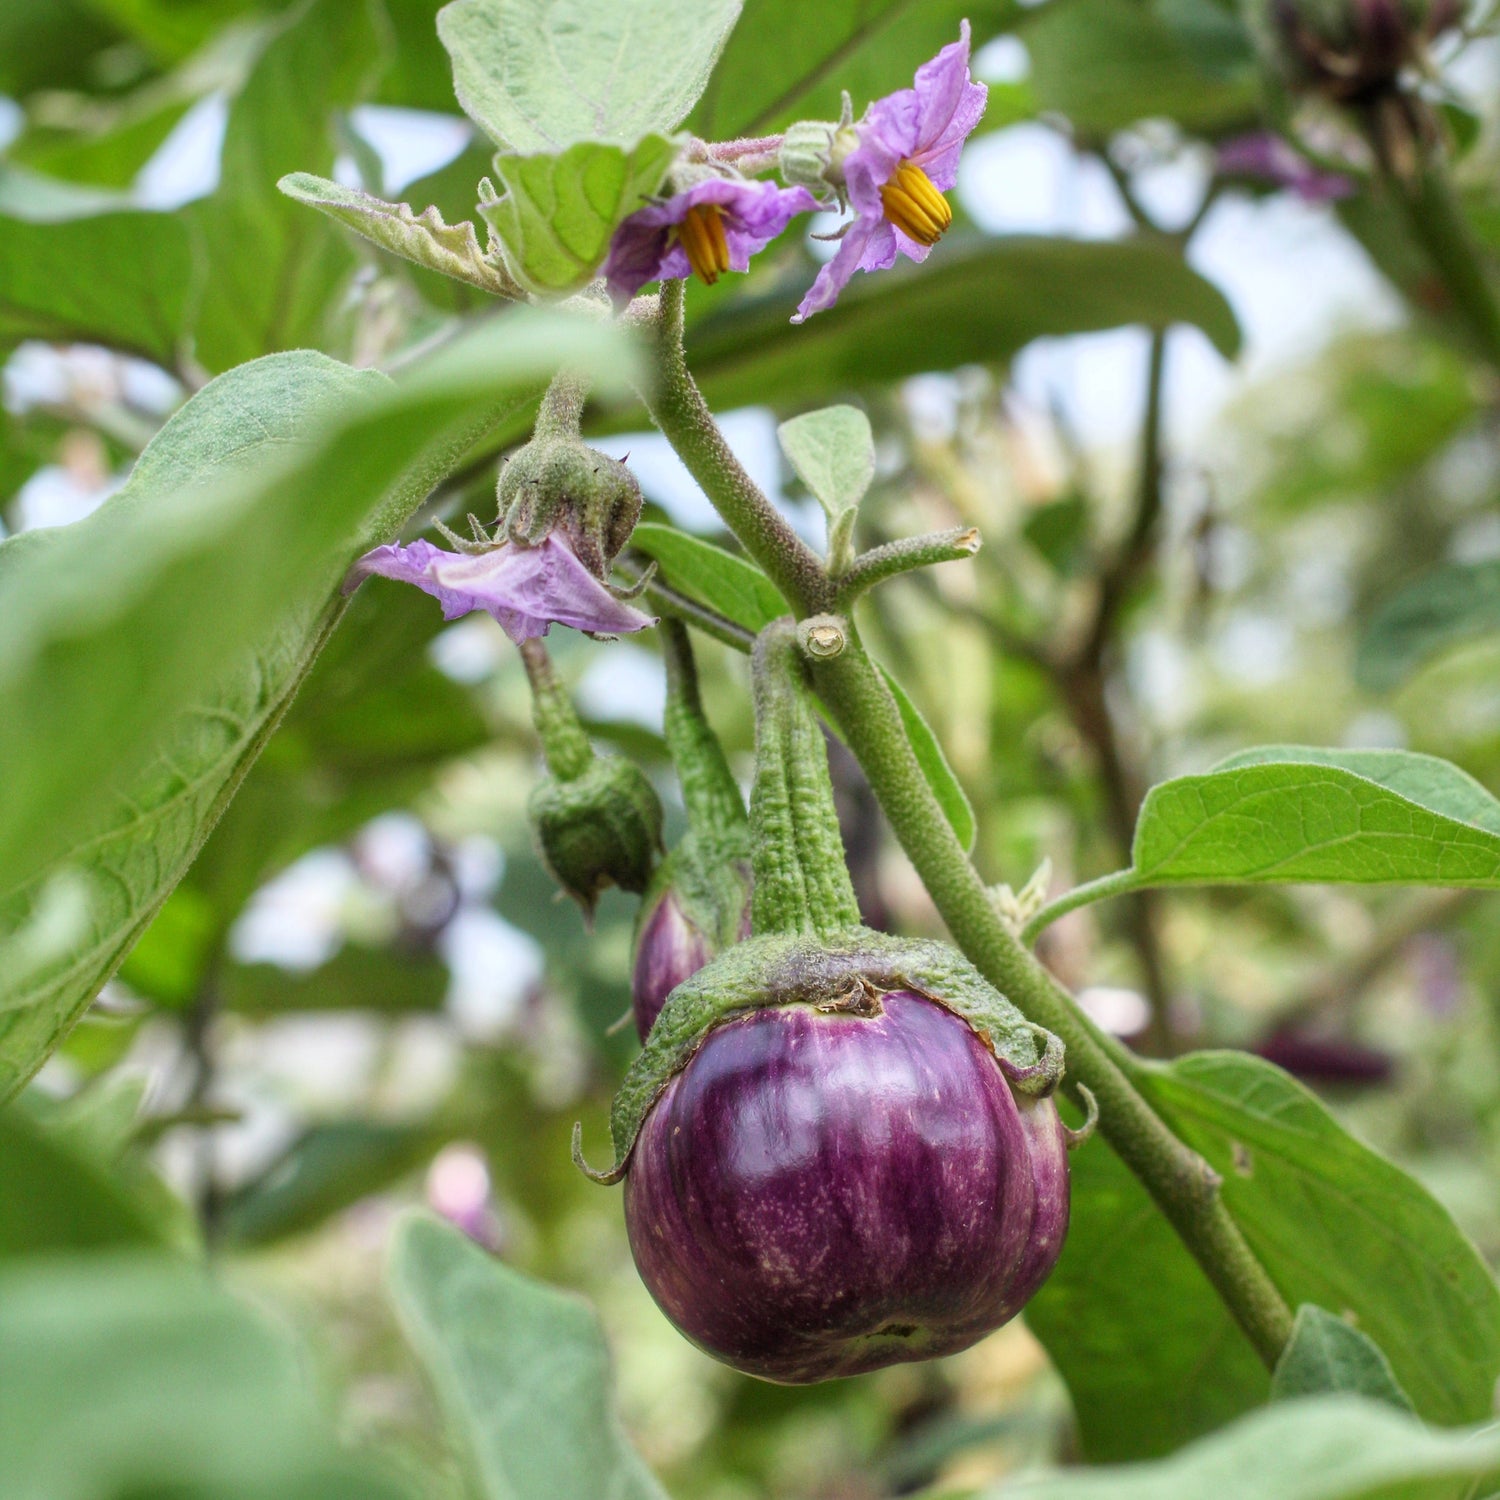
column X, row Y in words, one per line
column 564, row 741
column 709, row 790
column 1180, row 1181
column 880, row 563
column 802, row 884
column 677, row 407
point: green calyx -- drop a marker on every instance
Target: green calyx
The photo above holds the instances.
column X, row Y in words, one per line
column 599, row 829
column 802, row 884
column 848, row 972
column 558, row 483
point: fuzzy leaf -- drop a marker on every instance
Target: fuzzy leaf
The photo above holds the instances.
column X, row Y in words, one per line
column 452, row 249
column 1325, row 1354
column 558, row 211
column 1324, row 1448
column 521, row 1372
column 1297, row 813
column 833, row 452
column 729, row 584
column 540, row 75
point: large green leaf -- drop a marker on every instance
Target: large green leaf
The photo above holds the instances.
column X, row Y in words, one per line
column 147, row 652
column 540, row 75
column 135, row 1376
column 559, row 210
column 1296, row 813
column 1447, row 607
column 1336, row 1224
column 71, row 272
column 1150, row 1355
column 272, row 268
column 787, row 60
column 977, row 303
column 521, row 1371
column 1324, row 1448
column 1106, row 64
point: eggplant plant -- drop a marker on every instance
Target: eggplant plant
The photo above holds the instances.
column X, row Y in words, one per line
column 881, row 1112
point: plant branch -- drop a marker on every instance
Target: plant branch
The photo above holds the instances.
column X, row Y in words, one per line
column 879, row 563
column 1118, row 883
column 669, row 601
column 1180, row 1181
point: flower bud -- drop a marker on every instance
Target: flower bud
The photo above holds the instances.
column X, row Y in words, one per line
column 558, row 483
column 813, row 151
column 601, row 828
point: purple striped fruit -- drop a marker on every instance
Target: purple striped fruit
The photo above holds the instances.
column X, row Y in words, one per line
column 823, row 1191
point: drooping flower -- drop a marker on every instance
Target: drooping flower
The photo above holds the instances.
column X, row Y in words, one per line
column 714, row 225
column 904, row 158
column 1263, row 155
column 526, row 589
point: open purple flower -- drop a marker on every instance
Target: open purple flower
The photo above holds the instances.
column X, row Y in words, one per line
column 714, row 226
column 905, row 159
column 526, row 589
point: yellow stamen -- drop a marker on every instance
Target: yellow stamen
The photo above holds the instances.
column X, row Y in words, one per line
column 702, row 236
column 914, row 205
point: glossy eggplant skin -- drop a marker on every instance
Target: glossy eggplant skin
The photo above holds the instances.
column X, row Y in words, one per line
column 820, row 1193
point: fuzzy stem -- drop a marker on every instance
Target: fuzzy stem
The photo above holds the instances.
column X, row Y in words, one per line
column 802, row 884
column 709, row 790
column 1183, row 1185
column 564, row 742
column 879, row 563
column 561, row 413
column 1116, row 884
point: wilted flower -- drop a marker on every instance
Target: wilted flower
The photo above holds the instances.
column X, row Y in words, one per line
column 1263, row 155
column 903, row 158
column 526, row 589
column 713, row 226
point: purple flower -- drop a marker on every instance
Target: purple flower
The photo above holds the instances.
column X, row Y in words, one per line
column 714, row 226
column 526, row 589
column 1264, row 155
column 895, row 177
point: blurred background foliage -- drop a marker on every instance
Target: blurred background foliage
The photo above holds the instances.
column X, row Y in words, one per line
column 366, row 994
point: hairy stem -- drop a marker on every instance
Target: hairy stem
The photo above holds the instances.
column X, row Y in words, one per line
column 1181, row 1182
column 561, row 413
column 709, row 790
column 879, row 563
column 564, row 741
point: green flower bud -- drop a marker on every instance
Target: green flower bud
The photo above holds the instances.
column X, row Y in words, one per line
column 813, row 151
column 598, row 829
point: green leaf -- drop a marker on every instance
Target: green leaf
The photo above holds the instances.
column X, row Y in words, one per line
column 1295, row 813
column 1059, row 530
column 137, row 1376
column 271, row 268
column 711, row 575
column 58, row 1197
column 147, row 652
column 328, row 1167
column 787, row 60
column 521, row 1372
column 450, row 249
column 1336, row 1224
column 1325, row 1354
column 978, row 303
column 833, row 452
column 356, row 978
column 69, row 272
column 1448, row 607
column 1149, row 1353
column 929, row 752
column 540, row 75
column 1325, row 1448
column 1107, row 64
column 558, row 211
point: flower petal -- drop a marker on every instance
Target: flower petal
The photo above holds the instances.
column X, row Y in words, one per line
column 950, row 104
column 525, row 589
column 644, row 248
column 833, row 277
